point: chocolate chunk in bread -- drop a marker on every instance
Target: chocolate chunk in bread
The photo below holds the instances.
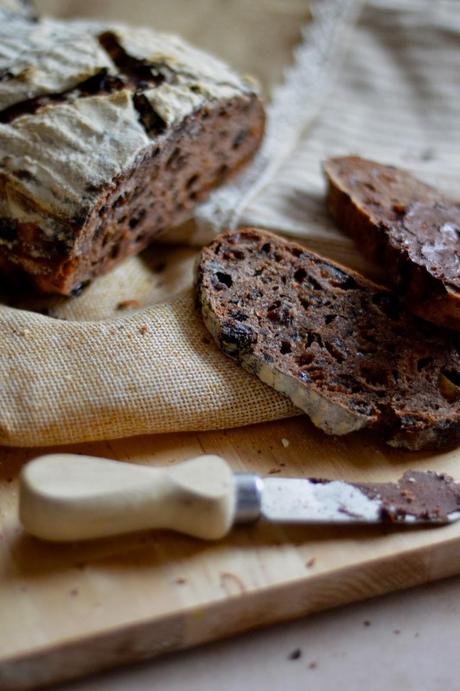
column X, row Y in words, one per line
column 108, row 136
column 343, row 348
column 406, row 225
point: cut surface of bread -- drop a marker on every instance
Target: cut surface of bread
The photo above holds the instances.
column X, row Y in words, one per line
column 406, row 225
column 341, row 347
column 108, row 136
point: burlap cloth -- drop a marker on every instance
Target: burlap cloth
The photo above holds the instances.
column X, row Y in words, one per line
column 131, row 355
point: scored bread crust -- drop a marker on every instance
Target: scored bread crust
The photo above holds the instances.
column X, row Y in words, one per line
column 108, row 136
column 341, row 347
column 404, row 224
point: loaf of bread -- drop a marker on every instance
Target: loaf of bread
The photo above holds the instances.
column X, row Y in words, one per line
column 405, row 225
column 108, row 136
column 342, row 348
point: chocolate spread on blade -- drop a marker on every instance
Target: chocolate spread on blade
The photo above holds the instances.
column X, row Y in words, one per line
column 432, row 496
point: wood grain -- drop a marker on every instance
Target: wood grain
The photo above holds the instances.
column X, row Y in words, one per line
column 68, row 610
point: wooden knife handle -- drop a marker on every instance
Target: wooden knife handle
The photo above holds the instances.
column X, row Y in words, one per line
column 65, row 497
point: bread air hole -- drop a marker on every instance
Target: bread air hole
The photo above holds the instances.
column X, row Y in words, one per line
column 238, row 254
column 423, row 362
column 192, row 181
column 375, row 377
column 314, row 338
column 285, row 348
column 239, row 316
column 175, row 160
column 387, row 304
column 313, row 284
column 226, row 279
column 335, row 352
column 136, row 219
column 239, row 139
column 300, row 275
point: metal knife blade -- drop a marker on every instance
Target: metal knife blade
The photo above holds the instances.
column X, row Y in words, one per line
column 417, row 498
column 290, row 500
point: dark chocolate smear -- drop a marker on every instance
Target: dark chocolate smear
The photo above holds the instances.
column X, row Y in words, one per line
column 425, row 495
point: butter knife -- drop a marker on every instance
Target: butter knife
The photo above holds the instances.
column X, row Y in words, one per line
column 66, row 497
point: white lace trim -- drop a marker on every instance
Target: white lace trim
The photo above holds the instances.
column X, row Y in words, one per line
column 294, row 106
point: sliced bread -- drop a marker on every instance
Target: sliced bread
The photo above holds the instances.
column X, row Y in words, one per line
column 342, row 348
column 405, row 225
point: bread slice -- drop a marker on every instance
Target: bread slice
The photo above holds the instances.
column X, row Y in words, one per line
column 342, row 348
column 109, row 135
column 408, row 227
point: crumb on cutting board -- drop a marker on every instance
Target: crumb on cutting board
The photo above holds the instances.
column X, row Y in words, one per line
column 295, row 654
column 128, row 304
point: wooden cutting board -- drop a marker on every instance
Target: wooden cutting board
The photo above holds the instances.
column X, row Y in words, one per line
column 68, row 610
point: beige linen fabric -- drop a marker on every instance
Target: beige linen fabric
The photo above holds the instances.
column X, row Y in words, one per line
column 130, row 355
column 152, row 371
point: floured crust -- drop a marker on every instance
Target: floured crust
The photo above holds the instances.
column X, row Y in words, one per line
column 342, row 348
column 51, row 146
column 46, row 57
column 54, row 158
column 409, row 226
column 81, row 105
column 171, row 52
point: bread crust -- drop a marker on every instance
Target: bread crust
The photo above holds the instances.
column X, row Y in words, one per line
column 341, row 347
column 398, row 221
column 96, row 118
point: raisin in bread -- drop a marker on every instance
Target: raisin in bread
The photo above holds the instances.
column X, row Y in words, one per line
column 342, row 348
column 406, row 225
column 108, row 136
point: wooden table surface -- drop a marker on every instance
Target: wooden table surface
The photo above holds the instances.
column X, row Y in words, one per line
column 72, row 609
